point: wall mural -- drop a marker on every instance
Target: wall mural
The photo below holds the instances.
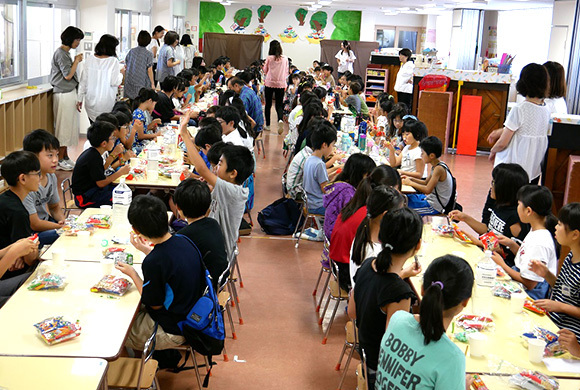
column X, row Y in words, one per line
column 346, row 25
column 210, row 16
column 288, row 35
column 263, row 11
column 301, row 16
column 242, row 20
column 317, row 24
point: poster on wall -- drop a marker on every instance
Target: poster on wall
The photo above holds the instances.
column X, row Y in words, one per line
column 288, row 35
column 346, row 25
column 301, row 16
column 263, row 11
column 242, row 19
column 317, row 24
column 261, row 30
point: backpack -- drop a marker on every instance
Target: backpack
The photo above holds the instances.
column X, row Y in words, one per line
column 452, row 204
column 280, row 218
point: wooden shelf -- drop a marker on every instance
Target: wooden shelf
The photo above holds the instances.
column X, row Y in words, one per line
column 375, row 82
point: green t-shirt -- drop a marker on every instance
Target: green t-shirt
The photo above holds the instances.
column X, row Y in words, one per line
column 405, row 362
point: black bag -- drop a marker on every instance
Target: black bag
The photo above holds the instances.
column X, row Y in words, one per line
column 280, row 218
column 452, row 204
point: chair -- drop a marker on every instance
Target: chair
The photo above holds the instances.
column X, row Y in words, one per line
column 309, row 217
column 230, row 285
column 189, row 351
column 260, row 144
column 351, row 342
column 337, row 294
column 224, row 298
column 135, row 373
column 68, row 197
column 324, row 268
column 361, row 372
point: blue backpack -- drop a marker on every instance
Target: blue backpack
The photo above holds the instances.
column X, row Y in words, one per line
column 281, row 217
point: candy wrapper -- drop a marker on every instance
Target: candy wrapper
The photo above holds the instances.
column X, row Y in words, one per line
column 34, row 238
column 534, row 380
column 505, row 290
column 478, row 383
column 119, row 255
column 530, row 305
column 101, row 221
column 460, row 235
column 111, row 285
column 444, row 230
column 55, row 330
column 553, row 347
column 470, row 321
column 462, row 336
column 490, row 241
column 47, row 281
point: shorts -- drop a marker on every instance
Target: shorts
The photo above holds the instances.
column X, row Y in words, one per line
column 418, row 202
column 95, row 197
column 142, row 329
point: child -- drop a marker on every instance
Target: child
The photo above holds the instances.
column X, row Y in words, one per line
column 564, row 304
column 382, row 110
column 396, row 122
column 228, row 197
column 323, row 139
column 409, row 161
column 208, row 134
column 380, row 289
column 193, row 198
column 318, row 73
column 145, row 102
column 295, row 118
column 366, row 243
column 503, row 217
column 218, row 76
column 229, row 118
column 439, row 363
column 179, row 92
column 44, row 205
column 535, row 208
column 326, row 77
column 164, row 108
column 354, row 101
column 436, row 192
column 9, row 256
column 89, row 184
column 291, row 93
column 171, row 275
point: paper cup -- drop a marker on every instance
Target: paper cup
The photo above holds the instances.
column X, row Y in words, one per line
column 536, row 350
column 84, row 237
column 107, row 266
column 58, row 256
column 134, row 162
column 175, row 177
column 477, row 344
column 106, row 207
column 517, row 302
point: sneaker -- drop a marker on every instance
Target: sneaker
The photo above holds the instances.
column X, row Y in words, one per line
column 280, row 127
column 266, row 128
column 64, row 166
column 69, row 162
column 311, row 234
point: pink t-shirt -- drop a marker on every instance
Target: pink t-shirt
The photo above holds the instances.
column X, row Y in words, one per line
column 276, row 71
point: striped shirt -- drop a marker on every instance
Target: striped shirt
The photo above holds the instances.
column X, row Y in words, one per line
column 567, row 290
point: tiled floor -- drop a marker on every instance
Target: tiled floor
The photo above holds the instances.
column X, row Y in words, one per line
column 279, row 344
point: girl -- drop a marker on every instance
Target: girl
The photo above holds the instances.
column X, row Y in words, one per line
column 188, row 50
column 410, row 161
column 396, row 122
column 154, row 45
column 276, row 71
column 366, row 241
column 380, row 290
column 351, row 217
column 502, row 218
column 345, row 58
column 291, row 93
column 556, row 100
column 535, row 208
column 144, row 102
column 404, row 81
column 447, row 286
column 381, row 112
column 312, row 110
column 178, row 94
column 167, row 60
column 524, row 138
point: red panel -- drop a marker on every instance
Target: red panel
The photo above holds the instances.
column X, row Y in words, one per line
column 468, row 124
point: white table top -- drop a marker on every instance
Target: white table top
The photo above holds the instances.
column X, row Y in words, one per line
column 502, row 383
column 26, row 373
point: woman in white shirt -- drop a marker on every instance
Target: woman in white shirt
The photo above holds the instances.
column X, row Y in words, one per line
column 188, row 49
column 179, row 57
column 345, row 59
column 404, row 81
column 101, row 77
column 155, row 45
column 556, row 100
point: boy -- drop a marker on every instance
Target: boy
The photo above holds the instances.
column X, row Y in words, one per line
column 229, row 117
column 218, row 76
column 193, row 198
column 43, row 205
column 354, row 101
column 209, row 134
column 435, row 191
column 251, row 101
column 228, row 196
column 89, row 184
column 21, row 171
column 172, row 275
column 564, row 306
column 327, row 78
column 8, row 257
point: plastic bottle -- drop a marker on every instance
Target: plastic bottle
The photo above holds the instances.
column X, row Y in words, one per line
column 362, row 142
column 485, row 275
column 122, row 197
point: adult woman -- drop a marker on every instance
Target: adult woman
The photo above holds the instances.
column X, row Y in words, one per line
column 179, row 56
column 404, row 81
column 64, row 80
column 101, row 78
column 188, row 49
column 167, row 60
column 276, row 71
column 345, row 59
column 139, row 63
column 155, row 45
column 556, row 100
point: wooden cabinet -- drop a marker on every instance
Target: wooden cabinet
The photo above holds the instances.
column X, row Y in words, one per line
column 376, row 81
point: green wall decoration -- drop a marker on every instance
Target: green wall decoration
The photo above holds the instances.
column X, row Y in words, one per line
column 346, row 25
column 263, row 11
column 318, row 21
column 243, row 17
column 301, row 16
column 210, row 16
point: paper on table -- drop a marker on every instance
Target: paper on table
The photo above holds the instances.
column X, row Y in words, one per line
column 563, row 365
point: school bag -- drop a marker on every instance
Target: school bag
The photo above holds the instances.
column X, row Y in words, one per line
column 280, row 218
column 452, row 204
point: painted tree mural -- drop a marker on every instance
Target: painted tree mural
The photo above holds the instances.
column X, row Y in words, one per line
column 318, row 21
column 346, row 25
column 243, row 17
column 210, row 16
column 301, row 16
column 263, row 11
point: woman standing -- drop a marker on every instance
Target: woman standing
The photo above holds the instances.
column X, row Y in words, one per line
column 154, row 46
column 345, row 59
column 179, row 56
column 556, row 100
column 139, row 62
column 276, row 71
column 167, row 59
column 64, row 80
column 404, row 81
column 188, row 49
column 101, row 78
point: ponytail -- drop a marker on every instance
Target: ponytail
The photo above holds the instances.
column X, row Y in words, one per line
column 447, row 282
column 361, row 240
column 144, row 95
column 540, row 200
column 550, row 224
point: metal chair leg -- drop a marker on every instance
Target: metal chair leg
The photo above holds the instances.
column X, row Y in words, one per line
column 323, row 292
column 234, row 295
column 331, row 321
column 228, row 311
column 195, row 367
column 225, row 353
column 237, row 265
column 337, row 368
column 318, row 281
column 321, row 318
column 346, row 366
column 302, row 231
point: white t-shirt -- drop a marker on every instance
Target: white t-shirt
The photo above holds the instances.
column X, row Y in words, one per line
column 371, row 251
column 557, row 106
column 409, row 156
column 403, row 76
column 179, row 55
column 530, row 124
column 150, row 48
column 382, row 122
column 538, row 245
column 346, row 61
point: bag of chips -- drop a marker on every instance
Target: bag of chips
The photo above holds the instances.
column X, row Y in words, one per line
column 470, row 321
column 111, row 285
column 119, row 255
column 55, row 330
column 101, row 221
column 47, row 281
column 460, row 235
column 530, row 305
column 534, row 380
column 490, row 241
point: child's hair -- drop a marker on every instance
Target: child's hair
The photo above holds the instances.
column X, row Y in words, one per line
column 148, row 216
column 193, row 197
column 406, row 52
column 122, row 106
column 239, row 158
column 143, row 38
column 215, row 152
column 534, row 81
column 382, row 198
column 321, row 92
column 211, row 123
column 507, row 181
column 557, row 80
column 99, row 132
column 328, row 68
column 347, row 74
column 232, row 99
column 245, row 76
column 317, row 68
column 447, row 282
column 433, row 145
column 218, row 62
column 122, row 118
column 381, row 175
column 169, row 84
column 346, row 46
column 416, row 128
column 182, row 84
column 306, row 96
column 311, row 110
column 207, row 136
column 569, row 215
column 356, row 168
column 324, row 133
column 40, row 139
column 186, row 40
column 186, row 74
column 386, row 103
column 400, row 232
column 107, row 46
column 70, row 34
column 144, row 95
column 398, row 110
column 18, row 163
column 355, row 87
column 229, row 114
column 539, row 199
column 108, row 117
column 212, row 110
column 196, row 62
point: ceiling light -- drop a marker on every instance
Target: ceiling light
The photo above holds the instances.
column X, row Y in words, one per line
column 324, row 2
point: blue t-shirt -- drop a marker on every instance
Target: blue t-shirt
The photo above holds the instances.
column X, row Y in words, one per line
column 172, row 279
column 405, row 362
column 314, row 175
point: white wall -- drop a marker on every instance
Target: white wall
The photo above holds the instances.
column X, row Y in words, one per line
column 372, row 19
column 161, row 14
column 561, row 34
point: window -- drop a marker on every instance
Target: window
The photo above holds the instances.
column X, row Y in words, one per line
column 179, row 24
column 127, row 27
column 10, row 57
column 397, row 37
column 386, row 37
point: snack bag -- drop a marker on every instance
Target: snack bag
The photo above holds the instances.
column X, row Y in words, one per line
column 55, row 330
column 101, row 221
column 47, row 281
column 460, row 235
column 478, row 383
column 119, row 255
column 111, row 285
column 490, row 241
column 444, row 230
column 530, row 305
column 534, row 380
column 470, row 321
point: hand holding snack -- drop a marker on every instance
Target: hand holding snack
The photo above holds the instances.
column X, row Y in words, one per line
column 568, row 340
column 548, row 305
column 140, row 243
column 457, row 215
column 411, row 270
column 539, row 268
column 503, row 240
